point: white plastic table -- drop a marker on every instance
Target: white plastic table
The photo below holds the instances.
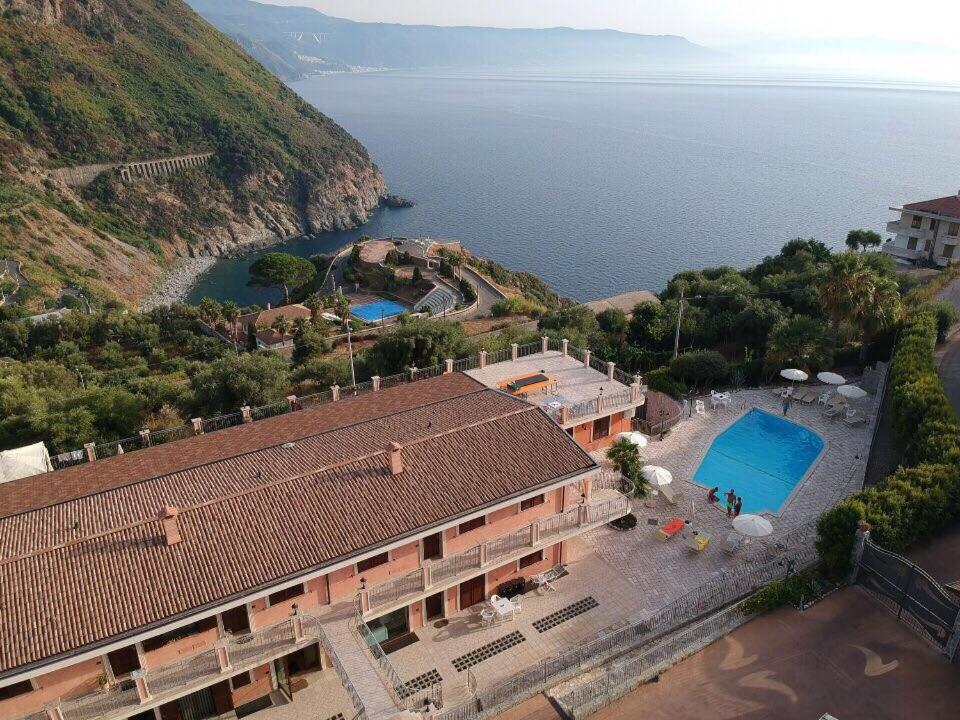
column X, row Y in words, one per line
column 502, row 606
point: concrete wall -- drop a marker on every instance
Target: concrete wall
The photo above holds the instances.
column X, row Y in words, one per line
column 83, row 175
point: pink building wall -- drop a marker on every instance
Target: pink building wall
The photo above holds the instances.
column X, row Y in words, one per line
column 262, row 685
column 68, row 682
column 179, row 649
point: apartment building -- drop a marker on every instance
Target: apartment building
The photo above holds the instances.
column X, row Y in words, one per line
column 927, row 231
column 202, row 577
column 590, row 398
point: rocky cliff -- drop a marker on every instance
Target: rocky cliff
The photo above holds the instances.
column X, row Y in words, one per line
column 105, row 81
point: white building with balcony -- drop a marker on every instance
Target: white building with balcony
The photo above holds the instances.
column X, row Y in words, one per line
column 927, row 231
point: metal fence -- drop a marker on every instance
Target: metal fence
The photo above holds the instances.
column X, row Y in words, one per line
column 617, row 641
column 221, row 422
column 916, row 598
column 620, row 677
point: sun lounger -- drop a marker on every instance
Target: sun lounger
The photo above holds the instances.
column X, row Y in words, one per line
column 833, row 410
column 854, row 418
column 670, row 528
column 808, row 397
column 778, row 391
column 732, row 543
column 697, row 541
column 673, row 496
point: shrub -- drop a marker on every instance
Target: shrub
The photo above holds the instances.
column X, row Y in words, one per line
column 661, row 381
column 793, row 590
column 700, row 368
column 517, row 305
column 836, row 530
column 945, row 315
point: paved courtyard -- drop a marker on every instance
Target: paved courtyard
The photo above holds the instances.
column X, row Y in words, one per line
column 662, row 571
column 597, row 592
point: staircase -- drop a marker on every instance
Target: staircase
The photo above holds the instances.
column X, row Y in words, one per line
column 442, row 298
column 358, row 664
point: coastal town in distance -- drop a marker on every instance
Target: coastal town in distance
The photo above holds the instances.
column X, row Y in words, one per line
column 299, row 420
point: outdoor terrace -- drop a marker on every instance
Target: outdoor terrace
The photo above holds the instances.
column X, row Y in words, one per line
column 604, row 505
column 579, row 386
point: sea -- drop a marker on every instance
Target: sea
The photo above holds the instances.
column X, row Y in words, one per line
column 606, row 183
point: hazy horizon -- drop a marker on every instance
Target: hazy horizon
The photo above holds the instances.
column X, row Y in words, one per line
column 869, row 39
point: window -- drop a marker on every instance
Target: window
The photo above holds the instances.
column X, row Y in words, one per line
column 469, row 525
column 241, row 680
column 948, row 251
column 288, row 594
column 934, row 224
column 953, row 229
column 601, row 427
column 531, row 559
column 186, row 631
column 915, row 223
column 20, row 688
column 912, row 243
column 372, row 562
column 531, row 502
column 432, row 547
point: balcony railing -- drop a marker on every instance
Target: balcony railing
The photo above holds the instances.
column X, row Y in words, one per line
column 609, row 505
column 230, row 656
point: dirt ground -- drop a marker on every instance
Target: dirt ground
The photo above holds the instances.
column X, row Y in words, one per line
column 846, row 656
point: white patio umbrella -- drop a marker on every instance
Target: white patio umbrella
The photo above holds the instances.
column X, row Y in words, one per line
column 831, row 378
column 852, row 392
column 793, row 375
column 753, row 526
column 638, row 439
column 657, row 475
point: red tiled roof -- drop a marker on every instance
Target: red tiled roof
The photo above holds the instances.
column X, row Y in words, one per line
column 27, row 493
column 92, row 569
column 949, row 206
column 264, row 318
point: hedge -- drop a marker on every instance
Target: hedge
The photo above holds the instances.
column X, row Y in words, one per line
column 920, row 498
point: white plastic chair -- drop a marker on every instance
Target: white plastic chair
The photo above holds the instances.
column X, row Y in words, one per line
column 518, row 604
column 825, row 398
column 714, row 401
column 487, row 615
column 700, row 408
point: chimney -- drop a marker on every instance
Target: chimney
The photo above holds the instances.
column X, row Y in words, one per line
column 168, row 519
column 396, row 458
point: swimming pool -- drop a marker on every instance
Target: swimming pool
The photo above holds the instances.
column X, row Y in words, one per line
column 762, row 457
column 373, row 312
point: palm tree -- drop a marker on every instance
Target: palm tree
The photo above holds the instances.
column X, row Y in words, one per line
column 626, row 458
column 280, row 325
column 231, row 311
column 841, row 288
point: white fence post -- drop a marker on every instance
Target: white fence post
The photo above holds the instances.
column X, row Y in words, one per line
column 859, row 543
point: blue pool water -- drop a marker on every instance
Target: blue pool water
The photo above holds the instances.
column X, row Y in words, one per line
column 762, row 457
column 372, row 312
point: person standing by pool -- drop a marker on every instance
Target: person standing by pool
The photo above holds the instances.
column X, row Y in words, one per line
column 787, row 397
column 712, row 495
column 737, row 506
column 731, row 499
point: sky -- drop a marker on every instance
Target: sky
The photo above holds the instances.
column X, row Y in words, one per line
column 709, row 22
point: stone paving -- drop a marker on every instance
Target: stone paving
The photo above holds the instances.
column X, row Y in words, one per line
column 666, row 570
column 588, row 576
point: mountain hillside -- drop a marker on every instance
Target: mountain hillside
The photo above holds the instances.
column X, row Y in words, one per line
column 106, row 81
column 295, row 42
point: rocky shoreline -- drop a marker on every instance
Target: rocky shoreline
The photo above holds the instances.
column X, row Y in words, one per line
column 177, row 282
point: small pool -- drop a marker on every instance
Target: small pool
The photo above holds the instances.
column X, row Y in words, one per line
column 375, row 311
column 762, row 457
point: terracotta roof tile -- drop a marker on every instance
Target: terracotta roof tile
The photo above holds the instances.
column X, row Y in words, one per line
column 93, row 568
column 949, row 205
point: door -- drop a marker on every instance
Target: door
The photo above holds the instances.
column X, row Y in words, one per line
column 123, row 661
column 236, row 620
column 432, row 548
column 198, row 705
column 471, row 592
column 434, row 606
column 283, row 677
